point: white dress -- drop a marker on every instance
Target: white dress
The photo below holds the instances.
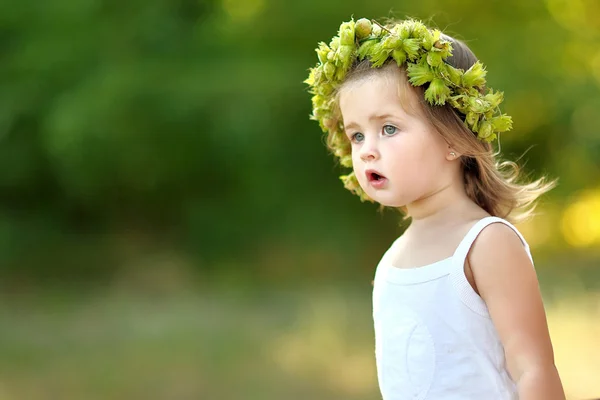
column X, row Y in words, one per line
column 434, row 338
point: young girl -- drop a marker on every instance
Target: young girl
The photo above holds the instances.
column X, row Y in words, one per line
column 456, row 304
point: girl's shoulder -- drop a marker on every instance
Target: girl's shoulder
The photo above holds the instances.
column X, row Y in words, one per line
column 499, row 251
column 498, row 236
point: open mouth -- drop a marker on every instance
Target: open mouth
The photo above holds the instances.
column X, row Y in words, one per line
column 375, row 177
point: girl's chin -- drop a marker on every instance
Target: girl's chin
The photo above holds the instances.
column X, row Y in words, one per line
column 386, row 201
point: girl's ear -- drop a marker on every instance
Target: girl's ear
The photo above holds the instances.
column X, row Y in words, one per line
column 451, row 154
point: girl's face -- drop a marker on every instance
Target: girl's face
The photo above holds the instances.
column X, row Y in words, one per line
column 398, row 158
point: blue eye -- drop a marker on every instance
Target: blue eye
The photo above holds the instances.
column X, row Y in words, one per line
column 357, row 137
column 389, row 129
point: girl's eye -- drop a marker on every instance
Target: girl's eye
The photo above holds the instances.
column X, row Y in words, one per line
column 357, row 137
column 389, row 129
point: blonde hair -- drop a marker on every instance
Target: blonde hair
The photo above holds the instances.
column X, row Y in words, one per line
column 498, row 187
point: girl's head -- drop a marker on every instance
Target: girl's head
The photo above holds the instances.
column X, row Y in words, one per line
column 406, row 107
column 397, row 155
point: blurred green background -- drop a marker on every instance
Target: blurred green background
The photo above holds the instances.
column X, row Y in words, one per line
column 172, row 227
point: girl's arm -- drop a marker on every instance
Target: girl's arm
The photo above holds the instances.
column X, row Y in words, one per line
column 506, row 280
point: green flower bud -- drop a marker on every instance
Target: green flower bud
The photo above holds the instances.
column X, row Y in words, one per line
column 363, row 28
column 479, row 105
column 322, row 52
column 318, row 100
column 340, row 73
column 366, row 48
column 325, row 89
column 403, row 30
column 456, row 101
column 502, row 123
column 472, row 120
column 318, row 76
column 329, row 70
column 437, row 92
column 350, row 181
column 392, row 42
column 452, row 73
column 494, row 98
column 345, row 55
column 411, row 47
column 444, row 47
column 485, row 130
column 430, row 38
column 379, row 55
column 419, row 74
column 335, row 43
column 311, row 77
column 490, row 138
column 346, row 161
column 347, row 34
column 474, row 76
column 419, row 30
column 399, row 56
column 434, row 59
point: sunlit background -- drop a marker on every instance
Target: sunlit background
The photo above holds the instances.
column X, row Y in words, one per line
column 172, row 227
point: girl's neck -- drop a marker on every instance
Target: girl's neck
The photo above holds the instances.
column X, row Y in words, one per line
column 447, row 206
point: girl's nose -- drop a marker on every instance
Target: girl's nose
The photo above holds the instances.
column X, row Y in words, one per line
column 369, row 151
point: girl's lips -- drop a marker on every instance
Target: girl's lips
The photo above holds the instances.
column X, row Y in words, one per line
column 375, row 179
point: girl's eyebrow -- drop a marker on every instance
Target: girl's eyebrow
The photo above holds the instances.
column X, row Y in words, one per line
column 371, row 118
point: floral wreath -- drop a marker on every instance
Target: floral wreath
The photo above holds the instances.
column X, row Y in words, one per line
column 423, row 51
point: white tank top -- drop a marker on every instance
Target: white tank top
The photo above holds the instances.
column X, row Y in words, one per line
column 434, row 338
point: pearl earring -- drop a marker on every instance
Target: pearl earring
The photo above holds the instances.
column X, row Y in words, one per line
column 452, row 154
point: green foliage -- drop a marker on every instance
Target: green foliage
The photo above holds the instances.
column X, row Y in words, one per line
column 186, row 120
